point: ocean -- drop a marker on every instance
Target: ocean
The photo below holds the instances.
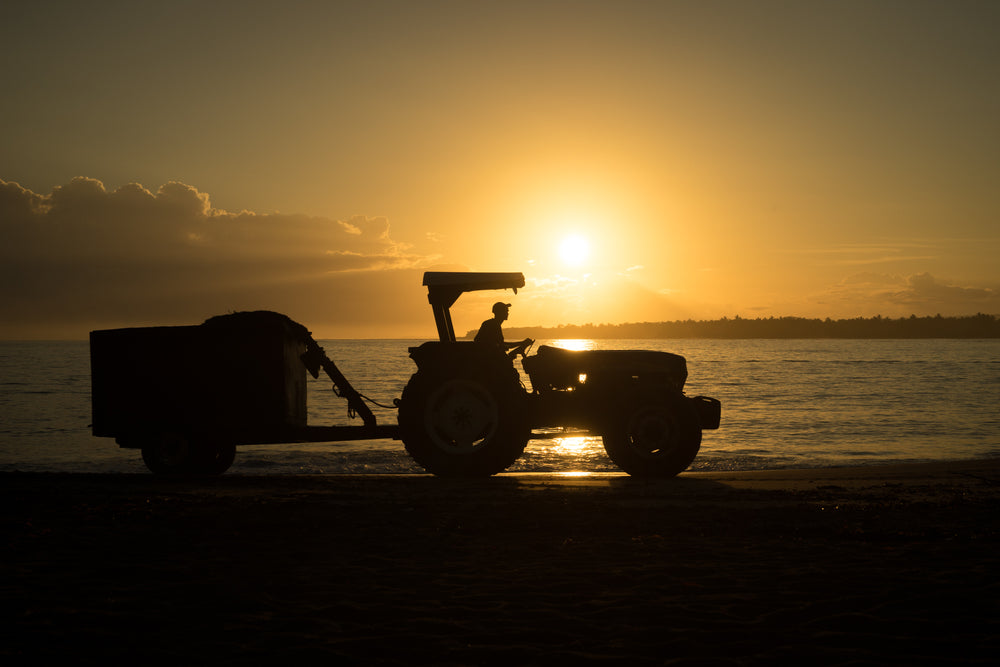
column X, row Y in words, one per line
column 785, row 403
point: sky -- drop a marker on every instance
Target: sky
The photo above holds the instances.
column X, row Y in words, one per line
column 161, row 163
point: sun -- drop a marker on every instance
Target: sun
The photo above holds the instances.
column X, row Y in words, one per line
column 574, row 250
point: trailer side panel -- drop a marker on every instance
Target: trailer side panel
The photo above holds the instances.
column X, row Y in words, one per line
column 240, row 376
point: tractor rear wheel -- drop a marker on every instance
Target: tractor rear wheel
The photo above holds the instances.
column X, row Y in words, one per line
column 655, row 439
column 456, row 424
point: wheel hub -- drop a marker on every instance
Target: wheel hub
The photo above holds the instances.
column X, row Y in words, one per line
column 462, row 415
column 650, row 432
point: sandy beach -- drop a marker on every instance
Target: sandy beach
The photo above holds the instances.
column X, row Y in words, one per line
column 874, row 565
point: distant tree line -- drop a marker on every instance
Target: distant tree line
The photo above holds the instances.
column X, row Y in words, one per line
column 972, row 326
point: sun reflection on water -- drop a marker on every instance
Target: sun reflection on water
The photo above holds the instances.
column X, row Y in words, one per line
column 575, row 344
column 570, row 446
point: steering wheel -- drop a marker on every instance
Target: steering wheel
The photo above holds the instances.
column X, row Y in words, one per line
column 522, row 349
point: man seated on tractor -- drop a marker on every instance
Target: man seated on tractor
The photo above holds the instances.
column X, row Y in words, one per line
column 490, row 332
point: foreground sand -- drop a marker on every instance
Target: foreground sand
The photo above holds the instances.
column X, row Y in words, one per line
column 877, row 565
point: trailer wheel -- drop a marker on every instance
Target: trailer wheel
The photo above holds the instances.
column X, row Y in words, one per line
column 176, row 453
column 168, row 453
column 655, row 439
column 214, row 458
column 457, row 425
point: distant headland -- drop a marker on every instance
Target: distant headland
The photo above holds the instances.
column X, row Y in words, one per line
column 971, row 326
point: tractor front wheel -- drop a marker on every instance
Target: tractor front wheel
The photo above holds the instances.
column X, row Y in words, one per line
column 657, row 439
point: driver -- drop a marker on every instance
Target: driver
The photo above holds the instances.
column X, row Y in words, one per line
column 490, row 332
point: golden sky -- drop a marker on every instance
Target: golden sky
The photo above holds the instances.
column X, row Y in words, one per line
column 160, row 164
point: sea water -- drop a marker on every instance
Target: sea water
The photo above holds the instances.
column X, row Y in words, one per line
column 785, row 403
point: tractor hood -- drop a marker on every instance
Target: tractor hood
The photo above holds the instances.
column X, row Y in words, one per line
column 558, row 368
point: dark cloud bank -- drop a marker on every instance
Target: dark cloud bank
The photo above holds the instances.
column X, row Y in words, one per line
column 84, row 257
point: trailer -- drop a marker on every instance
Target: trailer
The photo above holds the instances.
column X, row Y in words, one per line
column 188, row 396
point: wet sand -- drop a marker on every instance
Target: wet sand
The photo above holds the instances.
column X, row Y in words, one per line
column 875, row 565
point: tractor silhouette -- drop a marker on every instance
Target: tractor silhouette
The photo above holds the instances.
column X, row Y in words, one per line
column 465, row 411
column 187, row 396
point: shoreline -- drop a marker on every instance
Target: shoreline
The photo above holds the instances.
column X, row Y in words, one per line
column 885, row 564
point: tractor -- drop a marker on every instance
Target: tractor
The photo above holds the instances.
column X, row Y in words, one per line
column 466, row 411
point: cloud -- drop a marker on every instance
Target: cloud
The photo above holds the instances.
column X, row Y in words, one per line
column 875, row 253
column 87, row 254
column 179, row 223
column 924, row 290
column 871, row 293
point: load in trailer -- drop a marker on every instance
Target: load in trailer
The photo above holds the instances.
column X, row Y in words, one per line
column 188, row 396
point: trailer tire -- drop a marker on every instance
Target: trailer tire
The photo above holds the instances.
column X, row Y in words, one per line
column 455, row 424
column 214, row 458
column 654, row 439
column 169, row 453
